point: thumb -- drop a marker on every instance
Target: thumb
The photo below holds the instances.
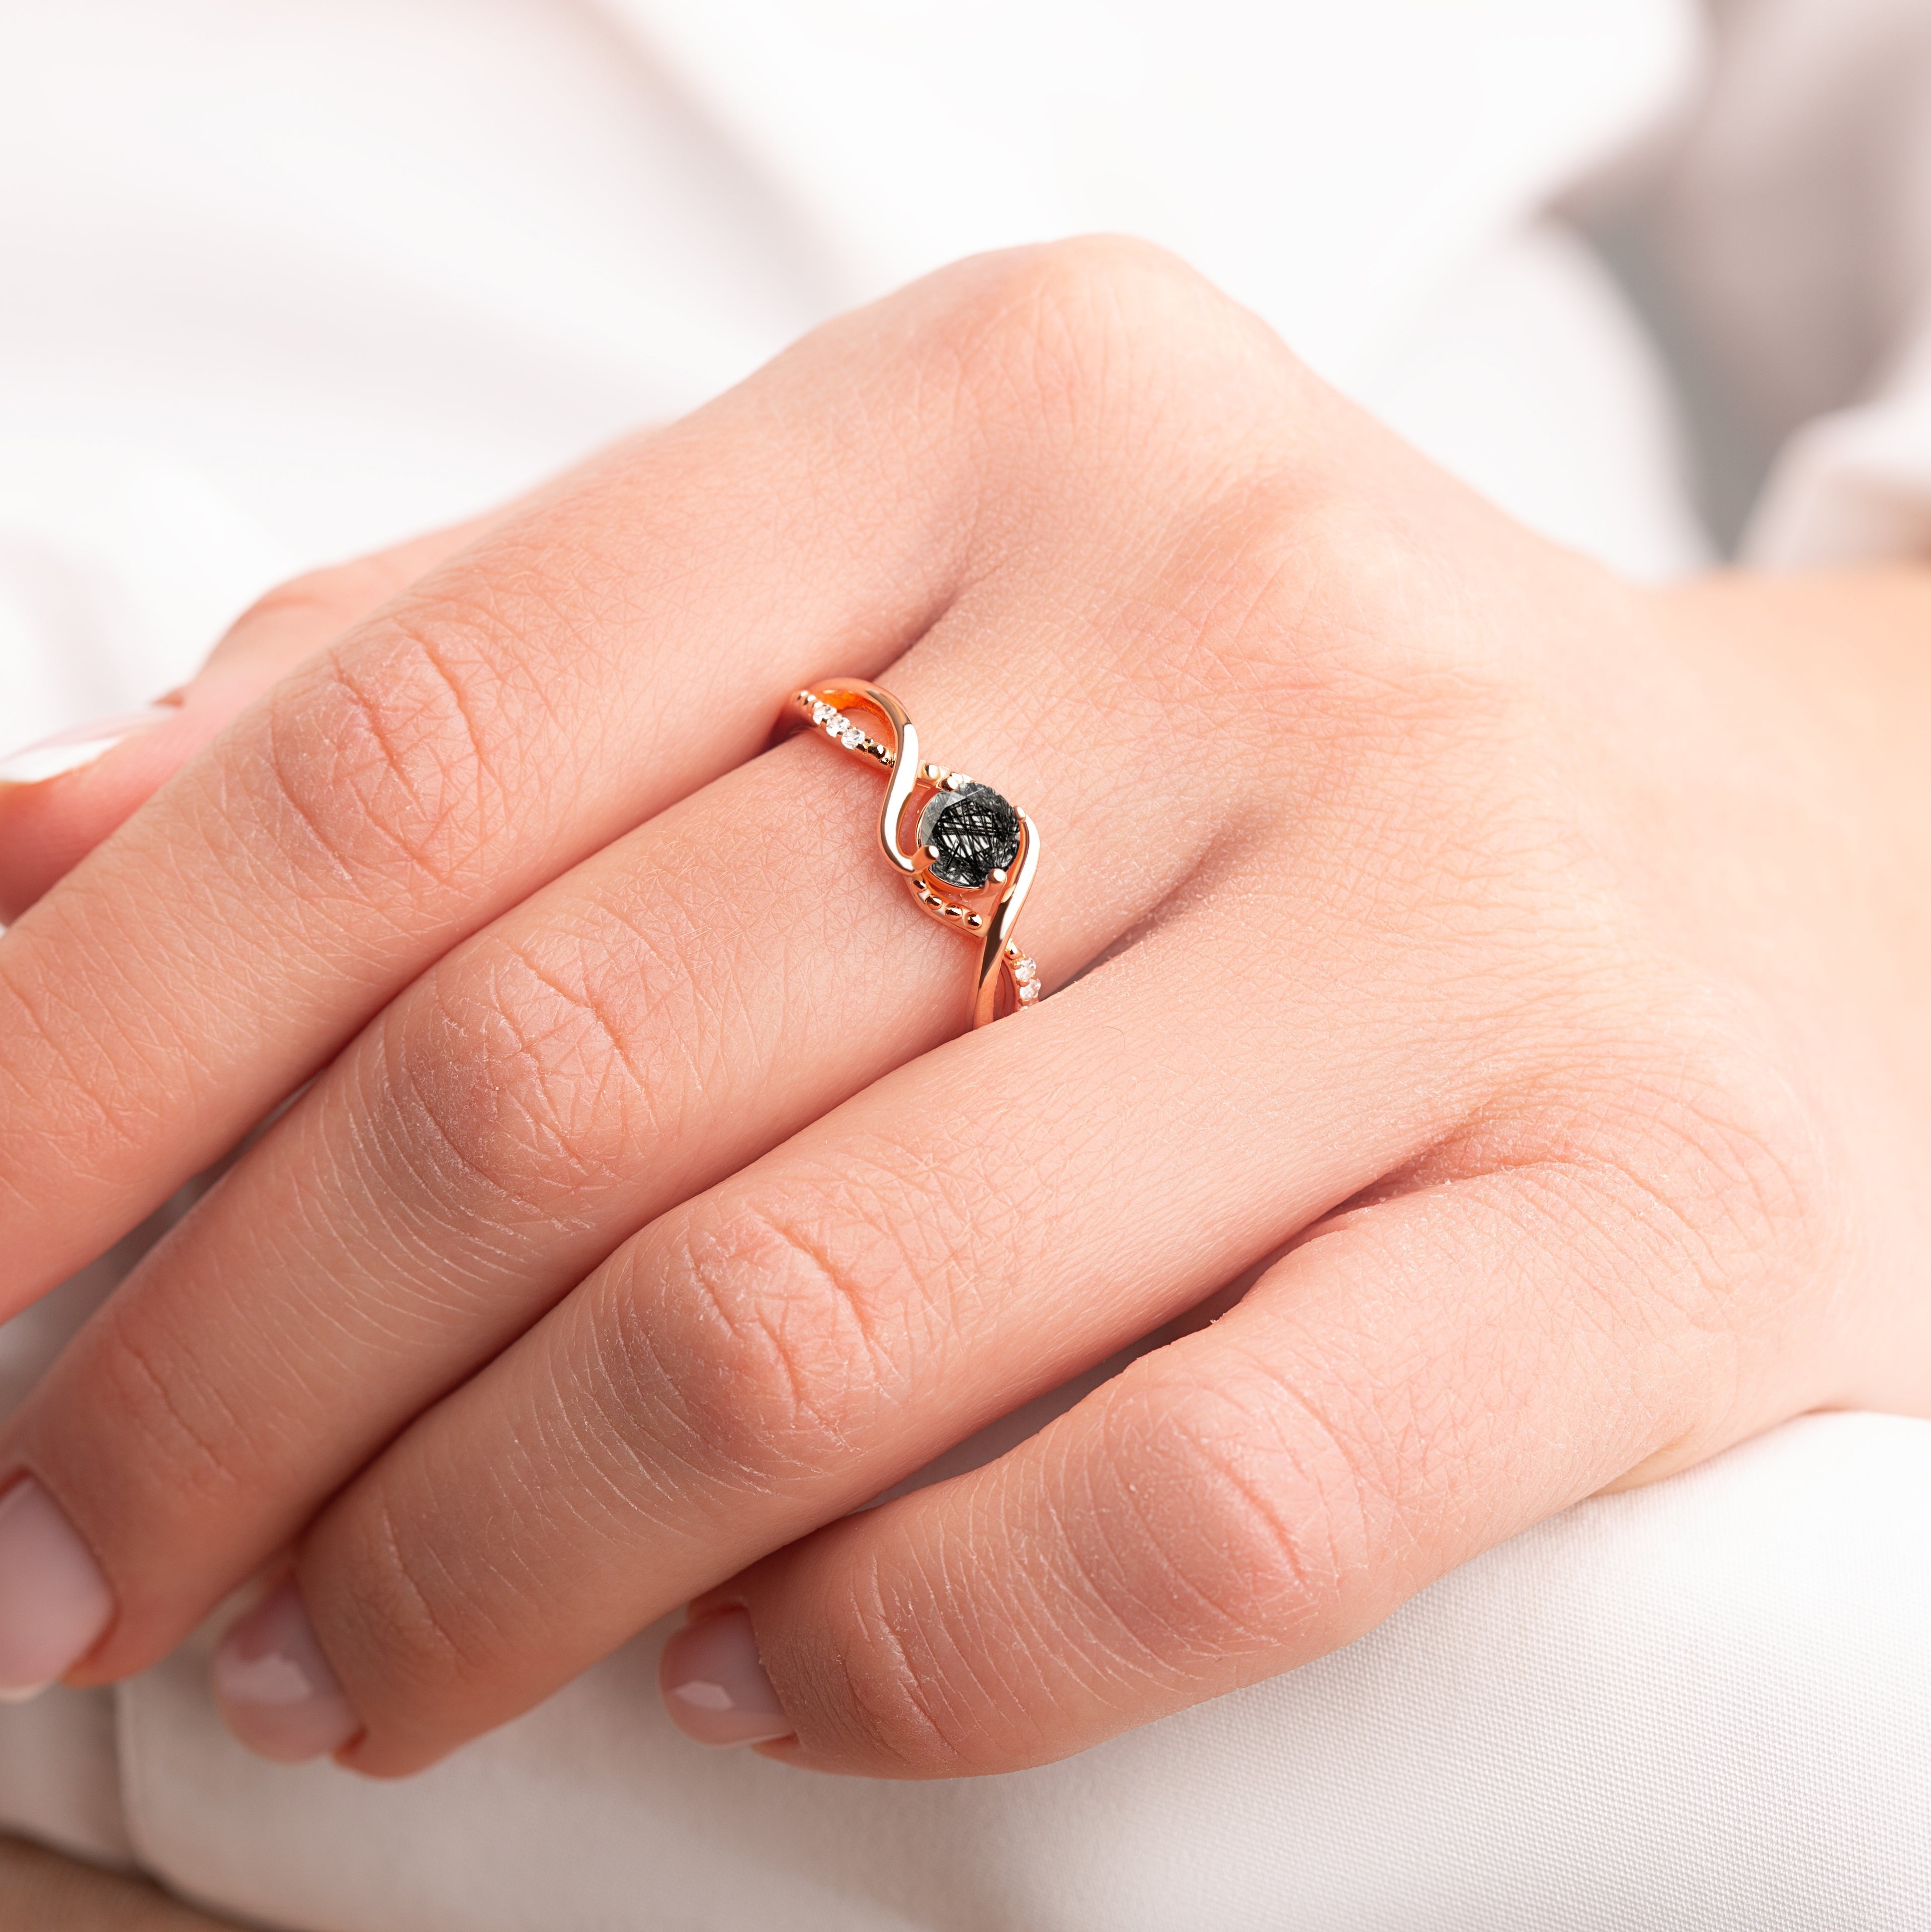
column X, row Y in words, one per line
column 59, row 799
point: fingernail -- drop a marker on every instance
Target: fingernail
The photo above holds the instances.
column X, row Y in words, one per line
column 715, row 1688
column 276, row 1690
column 68, row 751
column 54, row 1601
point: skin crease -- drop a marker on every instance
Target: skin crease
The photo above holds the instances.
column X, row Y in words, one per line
column 46, row 830
column 1537, row 961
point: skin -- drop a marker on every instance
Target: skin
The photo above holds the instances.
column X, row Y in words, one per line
column 39, row 1888
column 1518, row 975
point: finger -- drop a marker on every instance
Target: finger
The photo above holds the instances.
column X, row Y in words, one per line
column 1364, row 1083
column 588, row 663
column 59, row 800
column 628, row 1035
column 967, row 1233
column 1425, row 1378
column 621, row 1041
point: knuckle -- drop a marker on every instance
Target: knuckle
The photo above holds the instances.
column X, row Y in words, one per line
column 913, row 1698
column 412, row 1631
column 1090, row 280
column 782, row 1341
column 177, row 1450
column 1341, row 572
column 1265, row 615
column 1248, row 1528
column 1708, row 1179
column 385, row 764
column 1288, row 578
column 528, row 1071
column 1081, row 335
column 1688, row 1200
column 1220, row 1533
column 1756, row 1163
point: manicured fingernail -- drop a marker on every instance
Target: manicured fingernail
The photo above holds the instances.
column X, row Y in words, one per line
column 68, row 751
column 54, row 1601
column 715, row 1688
column 276, row 1689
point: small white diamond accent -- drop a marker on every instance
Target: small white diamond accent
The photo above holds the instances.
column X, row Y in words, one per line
column 851, row 738
column 1024, row 970
column 1029, row 992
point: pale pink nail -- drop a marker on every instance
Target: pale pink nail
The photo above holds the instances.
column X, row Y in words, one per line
column 276, row 1690
column 54, row 1601
column 714, row 1686
column 68, row 751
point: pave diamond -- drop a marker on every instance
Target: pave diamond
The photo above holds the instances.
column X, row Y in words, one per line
column 1025, row 971
column 1029, row 992
column 851, row 737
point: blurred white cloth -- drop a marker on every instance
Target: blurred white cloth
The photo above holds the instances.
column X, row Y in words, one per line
column 279, row 283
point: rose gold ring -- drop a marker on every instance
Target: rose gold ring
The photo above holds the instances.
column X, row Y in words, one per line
column 971, row 856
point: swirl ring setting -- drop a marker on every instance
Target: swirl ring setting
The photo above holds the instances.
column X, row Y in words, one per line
column 970, row 858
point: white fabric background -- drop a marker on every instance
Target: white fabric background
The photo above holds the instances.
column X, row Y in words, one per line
column 1653, row 1711
column 280, row 283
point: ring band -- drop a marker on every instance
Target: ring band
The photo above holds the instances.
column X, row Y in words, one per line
column 971, row 856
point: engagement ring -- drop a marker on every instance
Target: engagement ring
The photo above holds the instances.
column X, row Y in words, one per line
column 971, row 855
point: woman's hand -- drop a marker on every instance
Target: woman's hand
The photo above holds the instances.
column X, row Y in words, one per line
column 1522, row 973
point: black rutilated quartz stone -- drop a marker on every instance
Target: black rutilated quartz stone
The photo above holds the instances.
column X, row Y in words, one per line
column 976, row 833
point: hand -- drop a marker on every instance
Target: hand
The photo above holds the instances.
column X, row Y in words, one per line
column 1518, row 975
